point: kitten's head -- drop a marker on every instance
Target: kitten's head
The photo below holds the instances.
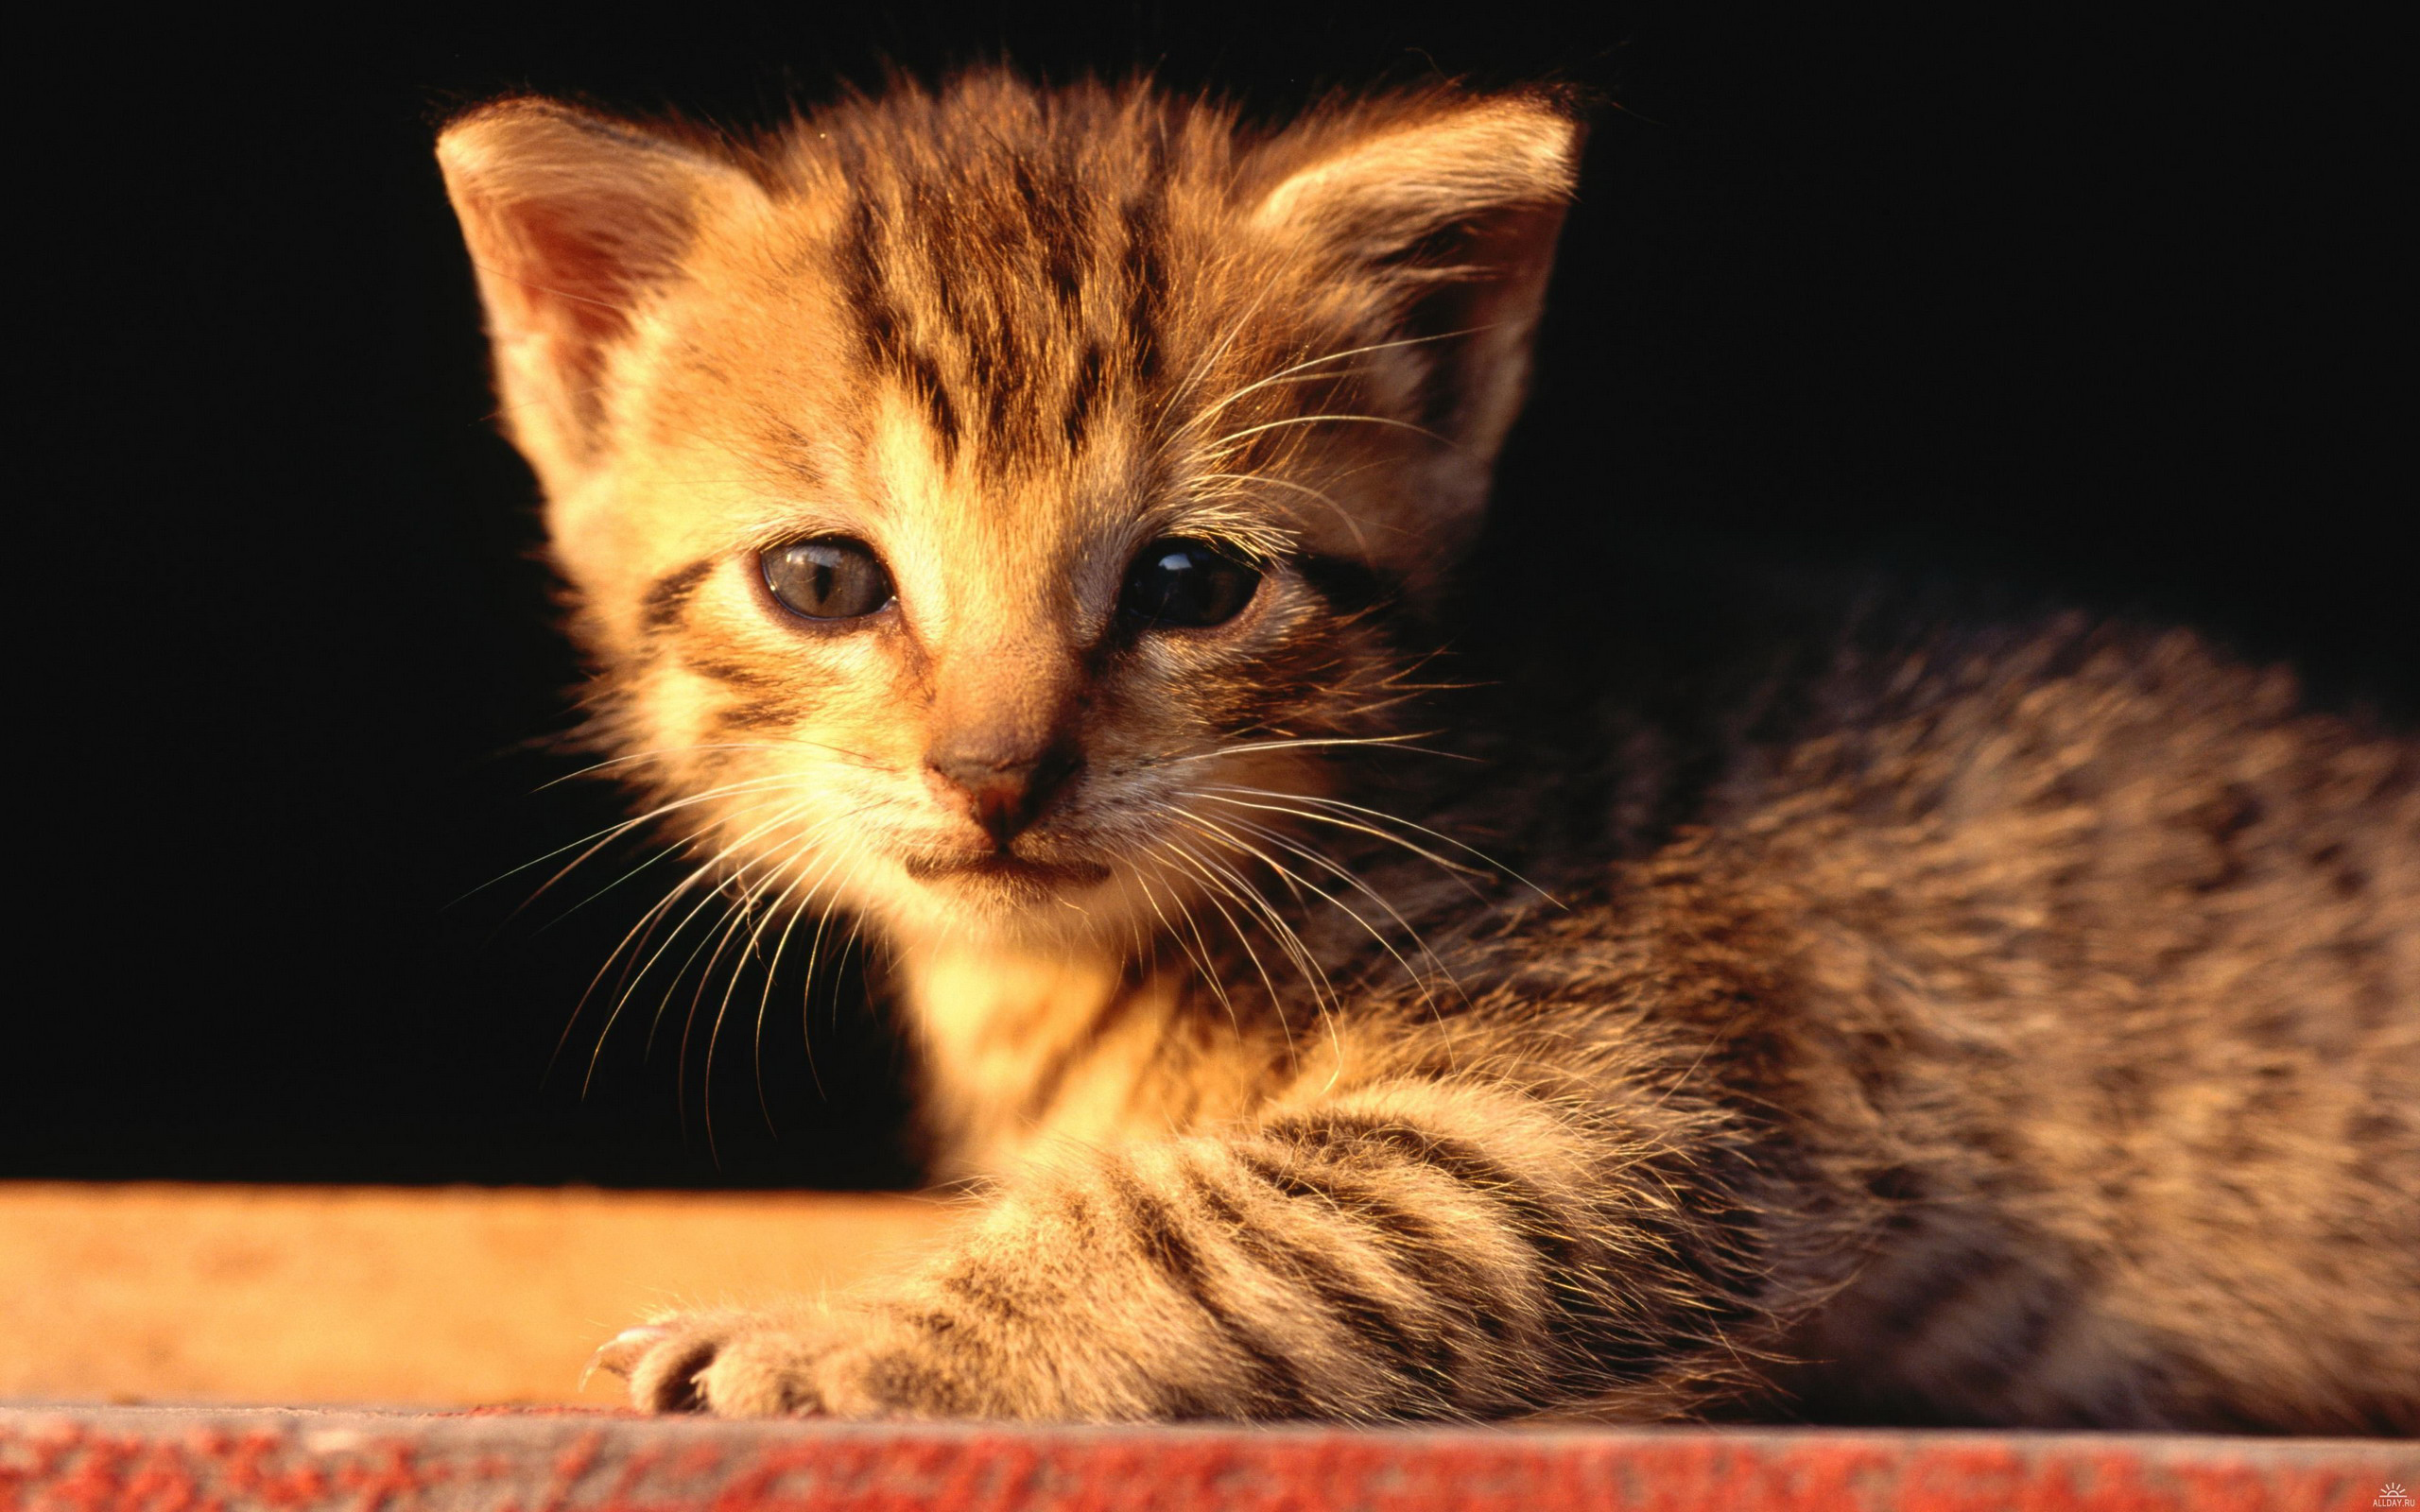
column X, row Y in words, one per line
column 979, row 503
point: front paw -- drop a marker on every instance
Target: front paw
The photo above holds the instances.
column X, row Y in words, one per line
column 737, row 1364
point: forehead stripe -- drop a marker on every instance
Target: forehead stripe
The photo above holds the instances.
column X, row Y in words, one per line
column 666, row 600
column 884, row 331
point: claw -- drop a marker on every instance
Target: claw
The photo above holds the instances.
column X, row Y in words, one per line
column 624, row 1349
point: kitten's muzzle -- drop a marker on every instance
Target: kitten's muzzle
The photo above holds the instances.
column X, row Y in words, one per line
column 1003, row 794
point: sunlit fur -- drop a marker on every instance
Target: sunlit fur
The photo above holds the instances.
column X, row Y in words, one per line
column 1008, row 339
column 1855, row 1042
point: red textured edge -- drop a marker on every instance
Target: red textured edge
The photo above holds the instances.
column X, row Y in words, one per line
column 69, row 1459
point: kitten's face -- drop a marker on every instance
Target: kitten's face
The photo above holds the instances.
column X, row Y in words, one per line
column 961, row 691
column 990, row 513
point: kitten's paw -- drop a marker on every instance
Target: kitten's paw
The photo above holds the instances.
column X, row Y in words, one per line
column 733, row 1364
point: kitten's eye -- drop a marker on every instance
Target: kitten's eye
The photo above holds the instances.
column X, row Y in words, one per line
column 1187, row 582
column 834, row 578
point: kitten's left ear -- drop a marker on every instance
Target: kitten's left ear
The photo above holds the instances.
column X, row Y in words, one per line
column 575, row 224
column 1452, row 204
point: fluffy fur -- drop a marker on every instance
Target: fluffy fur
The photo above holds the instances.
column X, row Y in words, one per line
column 1898, row 1014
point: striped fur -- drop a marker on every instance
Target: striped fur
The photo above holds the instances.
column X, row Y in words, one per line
column 1939, row 1019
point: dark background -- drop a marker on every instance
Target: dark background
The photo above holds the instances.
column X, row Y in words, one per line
column 2077, row 306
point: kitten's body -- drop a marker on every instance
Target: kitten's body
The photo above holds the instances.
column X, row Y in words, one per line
column 2004, row 1022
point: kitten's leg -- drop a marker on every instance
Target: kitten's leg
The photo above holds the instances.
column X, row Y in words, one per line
column 1404, row 1250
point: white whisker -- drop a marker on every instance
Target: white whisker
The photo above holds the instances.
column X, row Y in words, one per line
column 1487, row 861
column 648, row 921
column 606, row 837
column 1352, row 522
column 679, row 846
column 1276, row 999
column 1225, row 444
column 1346, row 875
column 1284, row 373
column 1225, row 879
column 721, row 884
column 1324, row 1000
column 1393, row 741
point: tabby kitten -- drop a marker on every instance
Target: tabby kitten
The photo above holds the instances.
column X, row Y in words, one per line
column 1021, row 519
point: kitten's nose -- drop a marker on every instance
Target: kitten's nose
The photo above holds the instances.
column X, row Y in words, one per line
column 1005, row 791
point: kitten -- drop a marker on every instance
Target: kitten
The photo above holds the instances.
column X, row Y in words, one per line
column 1021, row 519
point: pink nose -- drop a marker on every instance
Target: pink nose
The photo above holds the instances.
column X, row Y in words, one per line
column 1004, row 791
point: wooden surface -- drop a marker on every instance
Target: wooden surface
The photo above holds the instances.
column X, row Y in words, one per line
column 230, row 1294
column 159, row 1460
column 444, row 1296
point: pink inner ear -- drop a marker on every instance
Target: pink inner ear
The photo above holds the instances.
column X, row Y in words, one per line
column 586, row 281
column 574, row 288
column 571, row 221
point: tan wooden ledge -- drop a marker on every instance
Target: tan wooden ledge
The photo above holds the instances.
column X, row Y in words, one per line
column 199, row 1295
column 446, row 1297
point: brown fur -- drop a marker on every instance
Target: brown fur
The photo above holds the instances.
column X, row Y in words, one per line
column 1940, row 1021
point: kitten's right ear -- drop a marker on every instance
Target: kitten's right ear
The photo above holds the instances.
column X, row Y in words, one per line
column 575, row 224
column 1450, row 203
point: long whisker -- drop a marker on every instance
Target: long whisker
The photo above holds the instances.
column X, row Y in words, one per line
column 1487, row 861
column 1394, row 742
column 739, row 918
column 606, row 835
column 1240, row 886
column 779, row 909
column 1191, row 862
column 644, row 926
column 1419, row 942
column 814, row 952
column 682, row 845
column 1225, row 879
column 1352, row 522
column 1227, row 443
column 1344, row 874
column 1324, row 995
column 679, row 846
column 772, row 972
column 713, row 1034
column 668, row 753
column 1333, row 356
column 1276, row 999
column 1206, row 961
column 722, row 883
column 648, row 922
column 736, row 917
column 1457, row 868
column 1210, row 358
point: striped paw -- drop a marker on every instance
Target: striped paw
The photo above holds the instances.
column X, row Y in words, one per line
column 741, row 1364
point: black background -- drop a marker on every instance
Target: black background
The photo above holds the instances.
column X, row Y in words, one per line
column 2080, row 304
